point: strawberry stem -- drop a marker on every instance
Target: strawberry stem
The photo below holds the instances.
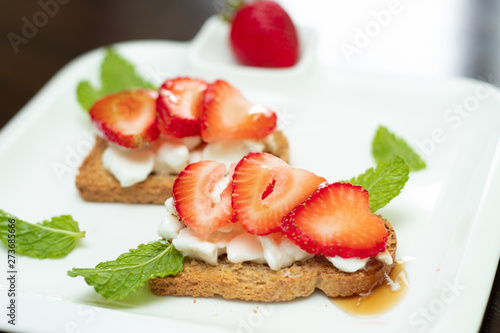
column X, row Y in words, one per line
column 226, row 9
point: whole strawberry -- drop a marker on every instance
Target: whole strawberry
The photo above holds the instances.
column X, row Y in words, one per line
column 263, row 35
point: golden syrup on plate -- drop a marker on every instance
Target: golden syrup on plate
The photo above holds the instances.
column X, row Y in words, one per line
column 380, row 299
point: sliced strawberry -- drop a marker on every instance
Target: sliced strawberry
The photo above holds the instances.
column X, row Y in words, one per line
column 195, row 201
column 336, row 221
column 127, row 118
column 179, row 106
column 265, row 189
column 228, row 115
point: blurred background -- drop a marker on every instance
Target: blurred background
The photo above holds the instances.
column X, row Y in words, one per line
column 425, row 38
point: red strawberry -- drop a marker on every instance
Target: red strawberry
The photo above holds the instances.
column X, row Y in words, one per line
column 127, row 118
column 179, row 106
column 228, row 115
column 265, row 189
column 336, row 221
column 263, row 35
column 194, row 200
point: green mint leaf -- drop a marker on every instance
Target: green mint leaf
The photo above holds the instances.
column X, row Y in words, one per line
column 387, row 145
column 49, row 239
column 384, row 182
column 87, row 95
column 117, row 74
column 119, row 278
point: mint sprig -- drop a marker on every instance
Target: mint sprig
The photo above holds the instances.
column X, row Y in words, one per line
column 119, row 278
column 387, row 145
column 48, row 239
column 117, row 74
column 384, row 182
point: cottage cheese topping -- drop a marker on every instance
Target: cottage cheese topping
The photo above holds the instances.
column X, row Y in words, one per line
column 219, row 187
column 348, row 265
column 259, row 109
column 128, row 166
column 190, row 142
column 275, row 250
column 196, row 155
column 351, row 265
column 245, row 247
column 282, row 252
column 171, row 156
column 170, row 226
column 232, row 239
column 198, row 248
column 384, row 257
column 230, row 151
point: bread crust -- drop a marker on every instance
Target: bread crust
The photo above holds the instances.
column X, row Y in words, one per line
column 257, row 282
column 95, row 183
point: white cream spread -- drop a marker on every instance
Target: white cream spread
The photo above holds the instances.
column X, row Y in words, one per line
column 219, row 187
column 351, row 265
column 128, row 166
column 171, row 156
column 277, row 251
column 282, row 252
column 245, row 247
column 230, row 151
column 170, row 225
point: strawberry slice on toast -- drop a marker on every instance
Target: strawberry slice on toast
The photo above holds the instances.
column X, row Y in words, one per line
column 228, row 115
column 179, row 106
column 265, row 189
column 202, row 196
column 127, row 118
column 336, row 221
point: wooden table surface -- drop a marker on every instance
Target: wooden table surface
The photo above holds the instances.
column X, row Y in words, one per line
column 71, row 28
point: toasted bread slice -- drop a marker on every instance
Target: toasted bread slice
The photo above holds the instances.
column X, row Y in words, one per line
column 257, row 282
column 96, row 184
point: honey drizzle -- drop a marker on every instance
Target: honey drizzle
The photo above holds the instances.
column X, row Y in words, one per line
column 380, row 299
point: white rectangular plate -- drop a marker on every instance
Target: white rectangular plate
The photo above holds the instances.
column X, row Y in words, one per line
column 445, row 218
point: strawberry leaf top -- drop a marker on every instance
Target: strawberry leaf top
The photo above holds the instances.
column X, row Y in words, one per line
column 117, row 74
